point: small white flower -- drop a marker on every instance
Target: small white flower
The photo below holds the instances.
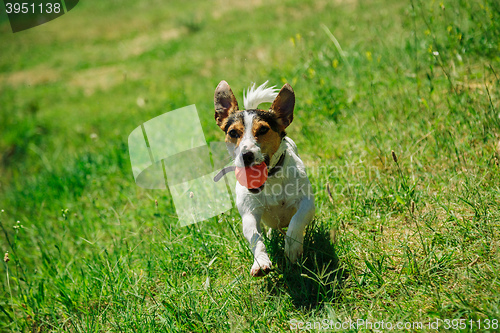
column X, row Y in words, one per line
column 436, row 53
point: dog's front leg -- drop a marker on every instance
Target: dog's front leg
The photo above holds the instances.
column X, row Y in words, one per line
column 251, row 229
column 295, row 234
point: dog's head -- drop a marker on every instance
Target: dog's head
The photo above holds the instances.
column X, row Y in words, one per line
column 254, row 135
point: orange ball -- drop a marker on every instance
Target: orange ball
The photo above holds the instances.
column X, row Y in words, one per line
column 252, row 177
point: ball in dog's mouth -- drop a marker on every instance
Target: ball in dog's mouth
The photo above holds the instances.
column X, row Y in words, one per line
column 252, row 177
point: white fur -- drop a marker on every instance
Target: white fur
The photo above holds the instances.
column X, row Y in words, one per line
column 248, row 143
column 287, row 200
column 261, row 94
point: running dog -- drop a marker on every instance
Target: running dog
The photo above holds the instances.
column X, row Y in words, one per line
column 254, row 136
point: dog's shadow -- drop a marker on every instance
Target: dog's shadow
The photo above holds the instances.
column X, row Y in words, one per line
column 316, row 279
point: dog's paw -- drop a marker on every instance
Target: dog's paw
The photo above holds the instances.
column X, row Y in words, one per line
column 261, row 266
column 293, row 249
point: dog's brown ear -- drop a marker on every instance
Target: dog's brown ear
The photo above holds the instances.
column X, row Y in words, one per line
column 283, row 106
column 225, row 103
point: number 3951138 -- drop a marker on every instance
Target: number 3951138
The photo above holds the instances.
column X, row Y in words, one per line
column 31, row 8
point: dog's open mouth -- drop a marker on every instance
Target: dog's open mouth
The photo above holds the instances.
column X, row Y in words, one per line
column 253, row 177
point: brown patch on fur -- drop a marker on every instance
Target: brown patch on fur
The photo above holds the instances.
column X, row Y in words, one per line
column 270, row 141
column 222, row 124
column 239, row 127
column 224, row 102
column 283, row 106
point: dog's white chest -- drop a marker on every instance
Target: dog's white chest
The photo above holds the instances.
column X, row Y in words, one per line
column 282, row 193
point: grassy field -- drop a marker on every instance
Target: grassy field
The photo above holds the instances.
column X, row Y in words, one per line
column 398, row 110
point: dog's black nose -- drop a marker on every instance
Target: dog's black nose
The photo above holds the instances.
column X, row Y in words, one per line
column 248, row 158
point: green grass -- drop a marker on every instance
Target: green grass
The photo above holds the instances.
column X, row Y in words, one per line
column 414, row 240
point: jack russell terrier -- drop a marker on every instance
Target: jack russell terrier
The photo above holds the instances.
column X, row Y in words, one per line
column 254, row 137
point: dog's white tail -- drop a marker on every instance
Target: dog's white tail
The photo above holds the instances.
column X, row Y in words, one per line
column 255, row 96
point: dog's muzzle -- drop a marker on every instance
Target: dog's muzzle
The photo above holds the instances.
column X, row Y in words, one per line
column 270, row 173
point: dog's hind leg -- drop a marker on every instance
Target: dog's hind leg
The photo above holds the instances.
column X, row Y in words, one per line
column 252, row 232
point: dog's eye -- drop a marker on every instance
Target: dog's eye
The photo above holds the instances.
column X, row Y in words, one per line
column 233, row 134
column 263, row 130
